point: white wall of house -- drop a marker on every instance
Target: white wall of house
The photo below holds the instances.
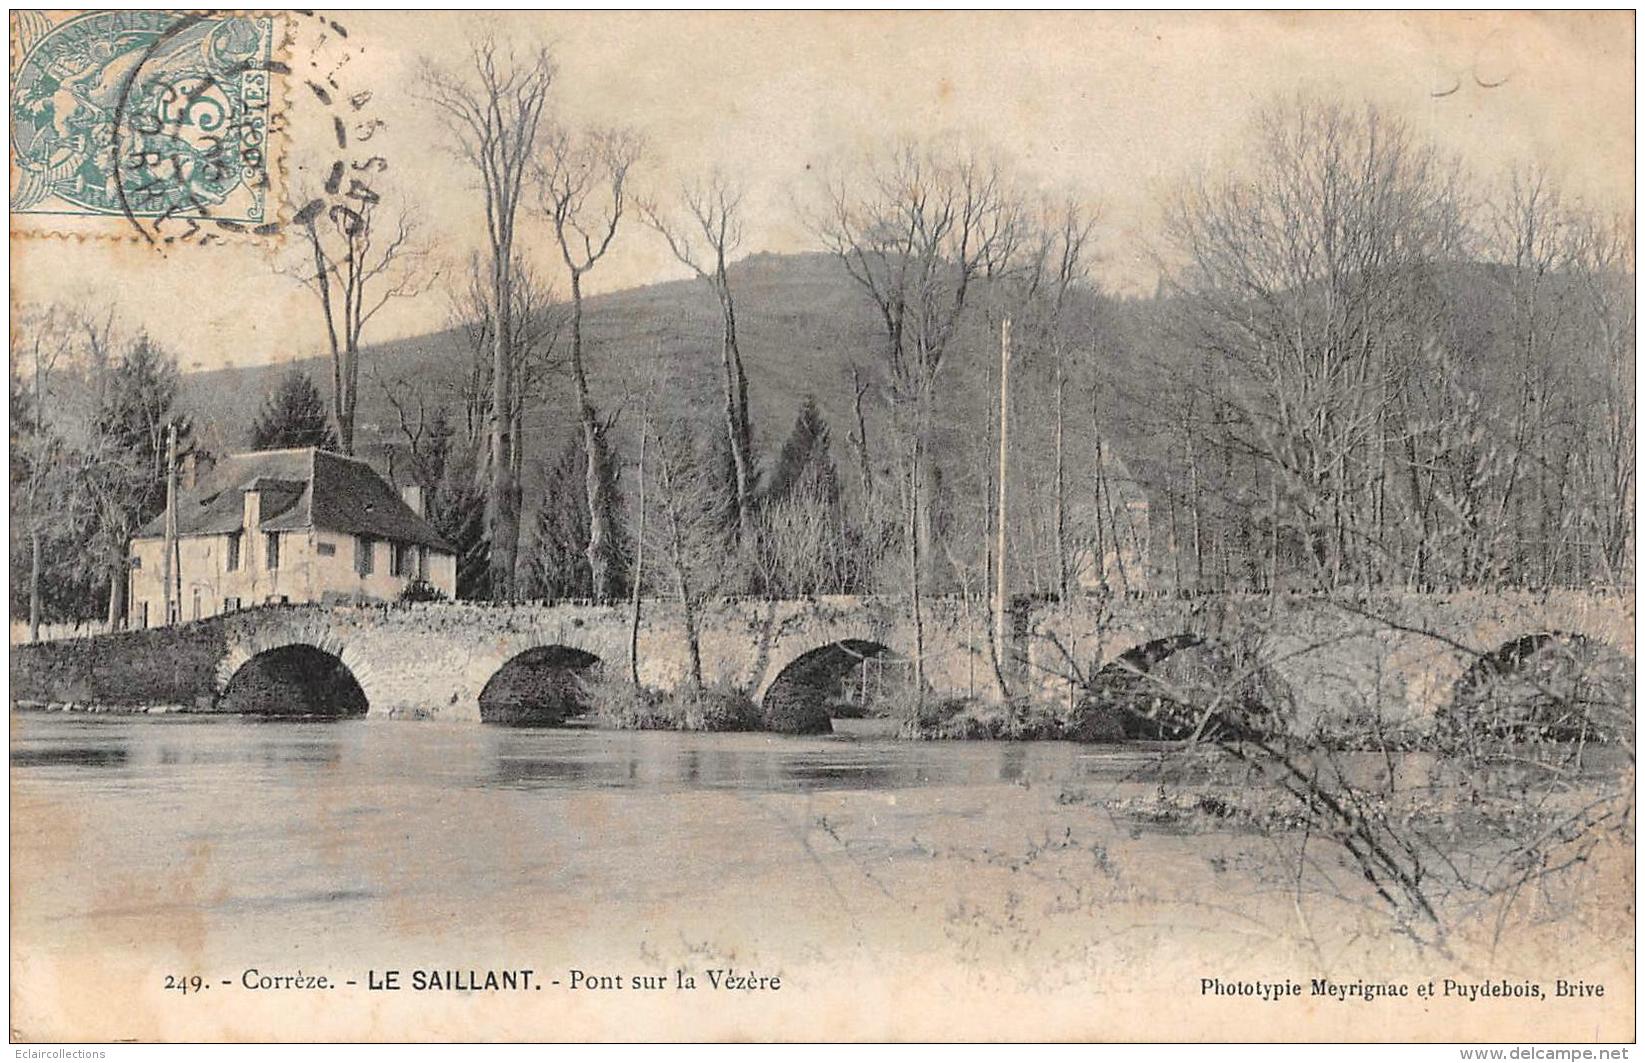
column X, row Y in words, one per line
column 208, row 584
column 442, row 573
column 314, row 565
column 336, row 573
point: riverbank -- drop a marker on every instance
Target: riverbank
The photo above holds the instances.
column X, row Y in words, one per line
column 21, row 705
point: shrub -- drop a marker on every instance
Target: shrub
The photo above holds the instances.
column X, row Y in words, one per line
column 1020, row 719
column 939, row 718
column 720, row 707
column 420, row 590
column 615, row 702
column 618, row 704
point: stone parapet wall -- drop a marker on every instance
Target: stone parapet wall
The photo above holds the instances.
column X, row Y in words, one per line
column 1393, row 656
column 157, row 666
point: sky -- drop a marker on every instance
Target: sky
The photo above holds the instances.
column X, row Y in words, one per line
column 1115, row 108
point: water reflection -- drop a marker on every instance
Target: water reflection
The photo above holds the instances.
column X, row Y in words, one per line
column 762, row 763
column 74, row 756
column 221, row 753
column 1012, row 760
column 167, row 745
column 467, row 756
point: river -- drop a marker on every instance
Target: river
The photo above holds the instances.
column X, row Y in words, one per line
column 895, row 880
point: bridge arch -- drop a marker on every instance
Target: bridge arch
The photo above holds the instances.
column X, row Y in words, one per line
column 255, row 632
column 539, row 687
column 294, row 679
column 1550, row 685
column 844, row 677
column 1160, row 689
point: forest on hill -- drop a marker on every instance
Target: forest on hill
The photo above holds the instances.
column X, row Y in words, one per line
column 1132, row 387
column 804, row 327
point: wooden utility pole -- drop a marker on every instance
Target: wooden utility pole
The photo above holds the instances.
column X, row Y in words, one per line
column 1002, row 601
column 166, row 566
column 639, row 564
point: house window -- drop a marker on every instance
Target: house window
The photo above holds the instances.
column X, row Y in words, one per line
column 422, row 563
column 142, row 614
column 363, row 547
column 273, row 551
column 136, row 564
column 231, row 605
column 196, row 605
column 234, row 552
column 404, row 560
column 325, row 549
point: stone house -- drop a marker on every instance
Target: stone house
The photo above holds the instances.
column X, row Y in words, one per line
column 286, row 526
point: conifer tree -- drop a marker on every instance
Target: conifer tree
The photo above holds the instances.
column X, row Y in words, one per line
column 559, row 566
column 294, row 415
column 805, row 461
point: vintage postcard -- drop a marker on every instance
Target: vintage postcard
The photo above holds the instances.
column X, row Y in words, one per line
column 768, row 526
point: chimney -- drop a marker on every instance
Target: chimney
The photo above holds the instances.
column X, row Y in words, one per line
column 412, row 495
column 252, row 515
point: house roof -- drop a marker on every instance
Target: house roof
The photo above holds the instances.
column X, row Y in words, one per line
column 301, row 488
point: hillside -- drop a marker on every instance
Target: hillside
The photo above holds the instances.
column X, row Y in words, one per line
column 802, row 323
column 799, row 320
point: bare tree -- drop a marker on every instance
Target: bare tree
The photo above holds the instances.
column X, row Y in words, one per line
column 804, row 543
column 469, row 315
column 711, row 211
column 537, row 324
column 425, row 428
column 493, row 109
column 1303, row 284
column 859, row 433
column 637, row 577
column 687, row 524
column 1602, row 257
column 1524, row 235
column 39, row 340
column 1515, row 799
column 583, row 181
column 915, row 228
column 357, row 260
column 1071, row 229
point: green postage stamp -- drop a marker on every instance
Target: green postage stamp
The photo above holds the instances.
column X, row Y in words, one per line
column 152, row 125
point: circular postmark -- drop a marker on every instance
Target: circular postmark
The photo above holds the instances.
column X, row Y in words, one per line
column 146, row 114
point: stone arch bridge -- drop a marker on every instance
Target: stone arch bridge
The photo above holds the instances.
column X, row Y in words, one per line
column 1399, row 655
